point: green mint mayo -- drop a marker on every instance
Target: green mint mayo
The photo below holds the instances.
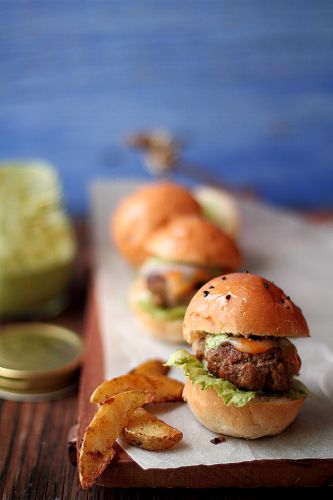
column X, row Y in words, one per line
column 37, row 244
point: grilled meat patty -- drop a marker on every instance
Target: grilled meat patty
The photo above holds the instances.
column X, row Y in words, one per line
column 156, row 284
column 270, row 371
column 164, row 295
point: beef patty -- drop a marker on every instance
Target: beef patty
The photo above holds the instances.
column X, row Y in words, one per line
column 271, row 371
column 161, row 296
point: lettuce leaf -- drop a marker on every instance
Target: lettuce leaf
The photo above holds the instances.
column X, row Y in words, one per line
column 172, row 313
column 299, row 390
column 195, row 370
column 230, row 394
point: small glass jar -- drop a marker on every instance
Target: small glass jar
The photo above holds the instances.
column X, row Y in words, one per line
column 37, row 243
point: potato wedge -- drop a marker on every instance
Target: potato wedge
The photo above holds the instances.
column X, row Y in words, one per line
column 149, row 432
column 163, row 388
column 97, row 451
column 151, row 367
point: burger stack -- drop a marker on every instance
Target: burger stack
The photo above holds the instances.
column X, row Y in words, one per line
column 162, row 229
column 240, row 381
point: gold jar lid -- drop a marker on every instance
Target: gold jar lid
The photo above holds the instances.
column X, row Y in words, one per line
column 38, row 361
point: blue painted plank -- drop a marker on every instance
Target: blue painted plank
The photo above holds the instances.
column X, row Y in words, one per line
column 248, row 84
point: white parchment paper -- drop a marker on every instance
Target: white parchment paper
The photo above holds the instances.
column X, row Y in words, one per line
column 298, row 256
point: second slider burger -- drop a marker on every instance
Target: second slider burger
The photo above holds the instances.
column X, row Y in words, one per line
column 241, row 380
column 184, row 254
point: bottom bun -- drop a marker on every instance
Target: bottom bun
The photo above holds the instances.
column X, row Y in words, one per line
column 263, row 416
column 169, row 330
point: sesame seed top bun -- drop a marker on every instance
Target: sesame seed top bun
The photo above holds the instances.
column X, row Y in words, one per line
column 144, row 211
column 195, row 240
column 243, row 304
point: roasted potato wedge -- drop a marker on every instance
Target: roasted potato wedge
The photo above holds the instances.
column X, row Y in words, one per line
column 97, row 451
column 150, row 433
column 151, row 367
column 163, row 388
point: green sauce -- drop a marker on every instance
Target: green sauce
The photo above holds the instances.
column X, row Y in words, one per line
column 213, row 341
column 168, row 314
column 37, row 244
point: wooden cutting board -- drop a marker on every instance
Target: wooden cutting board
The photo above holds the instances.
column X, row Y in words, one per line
column 125, row 473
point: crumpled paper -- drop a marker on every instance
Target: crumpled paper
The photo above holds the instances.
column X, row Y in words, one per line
column 298, row 256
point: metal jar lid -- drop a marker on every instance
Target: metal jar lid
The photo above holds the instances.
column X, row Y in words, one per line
column 38, row 361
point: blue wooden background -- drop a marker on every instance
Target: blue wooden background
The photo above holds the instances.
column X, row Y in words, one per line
column 248, row 84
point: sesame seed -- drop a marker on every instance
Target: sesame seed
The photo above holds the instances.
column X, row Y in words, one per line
column 224, row 278
column 212, row 286
column 266, row 285
column 228, row 297
column 205, row 292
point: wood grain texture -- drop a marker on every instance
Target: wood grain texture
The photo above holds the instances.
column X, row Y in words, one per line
column 248, row 85
column 33, row 436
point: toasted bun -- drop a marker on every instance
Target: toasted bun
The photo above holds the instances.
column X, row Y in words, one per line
column 243, row 304
column 169, row 330
column 194, row 240
column 146, row 210
column 263, row 416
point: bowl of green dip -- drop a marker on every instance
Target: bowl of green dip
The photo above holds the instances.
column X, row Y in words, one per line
column 37, row 243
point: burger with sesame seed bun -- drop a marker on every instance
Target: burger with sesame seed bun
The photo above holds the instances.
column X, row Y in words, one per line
column 183, row 254
column 240, row 382
column 143, row 212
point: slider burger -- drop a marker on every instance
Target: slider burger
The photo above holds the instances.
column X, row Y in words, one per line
column 144, row 211
column 185, row 254
column 241, row 380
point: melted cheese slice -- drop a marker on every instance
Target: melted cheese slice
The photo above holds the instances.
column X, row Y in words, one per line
column 180, row 284
column 252, row 346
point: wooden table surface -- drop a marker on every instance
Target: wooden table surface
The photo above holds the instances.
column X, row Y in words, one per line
column 34, row 460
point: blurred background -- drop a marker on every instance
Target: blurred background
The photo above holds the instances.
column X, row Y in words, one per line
column 246, row 86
